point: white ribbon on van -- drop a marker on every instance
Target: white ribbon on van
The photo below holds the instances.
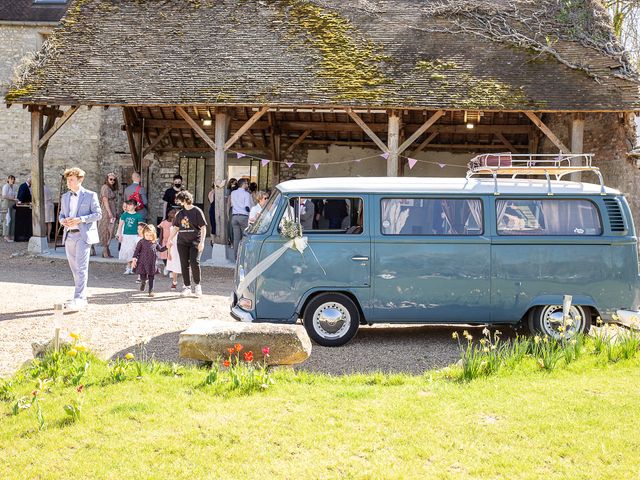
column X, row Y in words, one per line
column 299, row 244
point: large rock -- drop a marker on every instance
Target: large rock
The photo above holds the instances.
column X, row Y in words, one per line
column 207, row 340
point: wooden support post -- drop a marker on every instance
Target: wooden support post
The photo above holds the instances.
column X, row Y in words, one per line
column 220, row 176
column 392, row 143
column 577, row 142
column 275, row 142
column 201, row 133
column 547, row 131
column 128, row 122
column 38, row 243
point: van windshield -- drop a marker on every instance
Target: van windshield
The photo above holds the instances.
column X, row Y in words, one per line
column 263, row 221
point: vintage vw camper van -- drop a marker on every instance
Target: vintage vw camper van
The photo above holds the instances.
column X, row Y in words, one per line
column 438, row 250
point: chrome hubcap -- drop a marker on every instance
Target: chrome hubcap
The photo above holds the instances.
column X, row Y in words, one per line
column 556, row 326
column 331, row 320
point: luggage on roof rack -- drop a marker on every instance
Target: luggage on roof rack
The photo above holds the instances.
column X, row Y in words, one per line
column 497, row 164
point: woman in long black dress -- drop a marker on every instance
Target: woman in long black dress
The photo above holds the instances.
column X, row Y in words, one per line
column 145, row 257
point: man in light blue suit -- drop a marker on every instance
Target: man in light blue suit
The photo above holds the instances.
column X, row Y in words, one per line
column 79, row 214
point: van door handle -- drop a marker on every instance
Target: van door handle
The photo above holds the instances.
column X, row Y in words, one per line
column 360, row 259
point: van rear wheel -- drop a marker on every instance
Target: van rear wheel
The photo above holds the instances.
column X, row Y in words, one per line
column 331, row 319
column 547, row 320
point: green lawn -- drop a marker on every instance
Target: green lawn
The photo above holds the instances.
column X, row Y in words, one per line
column 578, row 421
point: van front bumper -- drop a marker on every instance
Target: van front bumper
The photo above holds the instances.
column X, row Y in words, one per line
column 239, row 314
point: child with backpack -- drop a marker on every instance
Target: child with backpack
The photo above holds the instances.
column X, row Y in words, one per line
column 128, row 234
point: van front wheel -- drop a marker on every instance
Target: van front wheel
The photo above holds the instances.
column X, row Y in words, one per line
column 331, row 319
column 548, row 320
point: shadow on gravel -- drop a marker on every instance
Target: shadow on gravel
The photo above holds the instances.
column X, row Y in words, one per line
column 388, row 349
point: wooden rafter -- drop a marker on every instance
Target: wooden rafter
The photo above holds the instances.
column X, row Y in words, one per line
column 128, row 120
column 547, row 131
column 244, row 128
column 425, row 126
column 192, row 123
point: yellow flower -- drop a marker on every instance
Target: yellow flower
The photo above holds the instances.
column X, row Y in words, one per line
column 599, row 321
column 454, row 335
column 498, row 332
column 483, row 341
column 72, row 352
column 129, row 356
column 74, row 335
column 485, row 350
column 485, row 331
column 561, row 328
column 81, row 348
column 536, row 339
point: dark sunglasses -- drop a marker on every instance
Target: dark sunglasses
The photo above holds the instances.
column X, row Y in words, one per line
column 112, row 179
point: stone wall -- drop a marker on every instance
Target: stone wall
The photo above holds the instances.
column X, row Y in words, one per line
column 609, row 136
column 89, row 140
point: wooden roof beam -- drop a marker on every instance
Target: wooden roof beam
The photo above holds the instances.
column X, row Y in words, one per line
column 506, row 142
column 157, row 140
column 547, row 131
column 57, row 125
column 425, row 142
column 356, row 118
column 244, row 128
column 192, row 123
column 297, row 142
column 425, row 126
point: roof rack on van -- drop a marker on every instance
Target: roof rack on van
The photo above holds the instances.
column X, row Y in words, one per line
column 511, row 164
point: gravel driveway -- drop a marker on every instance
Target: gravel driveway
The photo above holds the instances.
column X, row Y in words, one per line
column 119, row 318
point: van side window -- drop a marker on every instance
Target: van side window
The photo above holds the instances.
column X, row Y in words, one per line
column 547, row 217
column 328, row 215
column 431, row 216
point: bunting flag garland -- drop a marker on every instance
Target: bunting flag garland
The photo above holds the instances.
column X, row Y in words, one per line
column 411, row 161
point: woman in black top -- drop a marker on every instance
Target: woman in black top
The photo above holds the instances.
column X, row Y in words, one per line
column 188, row 232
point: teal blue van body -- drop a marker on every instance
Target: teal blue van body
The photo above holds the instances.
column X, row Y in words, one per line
column 483, row 276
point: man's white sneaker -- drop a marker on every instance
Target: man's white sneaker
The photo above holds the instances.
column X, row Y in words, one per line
column 127, row 271
column 76, row 305
column 186, row 291
column 197, row 291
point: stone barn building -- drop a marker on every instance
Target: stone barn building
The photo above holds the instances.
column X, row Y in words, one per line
column 92, row 138
column 293, row 88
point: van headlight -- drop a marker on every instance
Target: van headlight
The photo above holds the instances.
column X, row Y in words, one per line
column 240, row 273
column 245, row 304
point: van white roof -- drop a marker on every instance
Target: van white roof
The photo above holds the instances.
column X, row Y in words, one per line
column 427, row 185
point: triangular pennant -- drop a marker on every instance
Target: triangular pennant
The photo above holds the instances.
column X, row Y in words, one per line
column 289, row 164
column 412, row 162
column 442, row 165
column 385, row 156
column 264, row 162
column 317, row 165
column 240, row 155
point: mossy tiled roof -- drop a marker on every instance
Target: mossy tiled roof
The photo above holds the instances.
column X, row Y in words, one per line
column 30, row 11
column 391, row 53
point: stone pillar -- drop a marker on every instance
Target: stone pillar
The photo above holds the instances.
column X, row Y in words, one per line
column 393, row 140
column 577, row 142
column 38, row 243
